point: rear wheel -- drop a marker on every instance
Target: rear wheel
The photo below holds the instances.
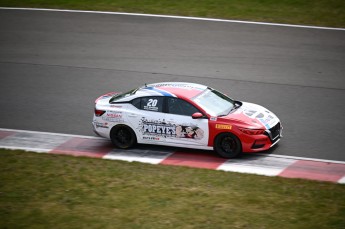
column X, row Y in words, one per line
column 123, row 137
column 227, row 145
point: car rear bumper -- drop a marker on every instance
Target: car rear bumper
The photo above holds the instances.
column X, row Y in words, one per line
column 100, row 130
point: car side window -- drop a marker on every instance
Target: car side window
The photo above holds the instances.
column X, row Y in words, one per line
column 151, row 104
column 181, row 107
column 136, row 102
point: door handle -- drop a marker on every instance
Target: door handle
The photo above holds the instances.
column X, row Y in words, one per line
column 132, row 115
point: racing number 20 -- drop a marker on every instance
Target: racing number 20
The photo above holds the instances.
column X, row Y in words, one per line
column 152, row 102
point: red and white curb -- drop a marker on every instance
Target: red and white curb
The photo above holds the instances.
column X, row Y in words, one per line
column 269, row 165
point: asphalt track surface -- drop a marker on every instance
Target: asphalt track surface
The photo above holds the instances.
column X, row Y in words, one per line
column 53, row 65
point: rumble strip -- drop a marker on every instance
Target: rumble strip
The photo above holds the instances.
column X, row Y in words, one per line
column 269, row 165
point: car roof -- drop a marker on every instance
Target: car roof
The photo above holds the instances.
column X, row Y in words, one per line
column 174, row 89
column 169, row 89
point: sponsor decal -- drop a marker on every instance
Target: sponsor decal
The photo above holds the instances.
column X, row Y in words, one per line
column 265, row 117
column 266, row 122
column 101, row 125
column 160, row 128
column 189, row 132
column 213, row 119
column 151, row 105
column 177, row 85
column 151, row 138
column 249, row 113
column 113, row 116
column 223, row 126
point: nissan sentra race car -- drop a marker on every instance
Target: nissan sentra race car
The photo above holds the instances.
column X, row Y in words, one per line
column 185, row 115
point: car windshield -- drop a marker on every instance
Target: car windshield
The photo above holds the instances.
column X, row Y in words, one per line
column 214, row 102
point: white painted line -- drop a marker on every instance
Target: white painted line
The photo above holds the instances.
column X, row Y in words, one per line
column 93, row 137
column 34, row 140
column 260, row 165
column 300, row 158
column 176, row 17
column 342, row 180
column 36, row 150
column 251, row 170
column 143, row 156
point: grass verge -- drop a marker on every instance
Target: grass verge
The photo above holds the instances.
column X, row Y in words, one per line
column 307, row 12
column 53, row 191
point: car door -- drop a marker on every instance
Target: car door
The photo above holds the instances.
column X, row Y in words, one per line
column 147, row 119
column 187, row 130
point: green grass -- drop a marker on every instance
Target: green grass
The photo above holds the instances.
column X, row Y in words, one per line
column 307, row 12
column 52, row 191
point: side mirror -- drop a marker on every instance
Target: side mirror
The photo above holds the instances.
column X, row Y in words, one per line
column 197, row 115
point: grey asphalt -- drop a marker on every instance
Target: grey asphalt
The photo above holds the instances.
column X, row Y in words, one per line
column 53, row 65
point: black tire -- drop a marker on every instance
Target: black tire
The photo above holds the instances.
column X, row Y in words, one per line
column 227, row 145
column 123, row 137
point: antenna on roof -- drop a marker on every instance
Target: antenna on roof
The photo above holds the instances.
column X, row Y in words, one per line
column 145, row 84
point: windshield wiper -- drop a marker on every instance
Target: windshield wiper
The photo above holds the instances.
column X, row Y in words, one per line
column 236, row 105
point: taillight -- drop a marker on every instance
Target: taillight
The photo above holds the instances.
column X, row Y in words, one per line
column 99, row 112
column 252, row 131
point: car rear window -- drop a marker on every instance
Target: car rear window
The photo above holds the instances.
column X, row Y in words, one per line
column 151, row 103
column 121, row 96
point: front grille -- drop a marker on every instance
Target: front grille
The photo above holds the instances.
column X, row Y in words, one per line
column 274, row 132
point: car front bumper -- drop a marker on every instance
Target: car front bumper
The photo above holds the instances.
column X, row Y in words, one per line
column 257, row 143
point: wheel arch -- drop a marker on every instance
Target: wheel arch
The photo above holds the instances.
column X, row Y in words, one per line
column 121, row 125
column 225, row 132
column 220, row 151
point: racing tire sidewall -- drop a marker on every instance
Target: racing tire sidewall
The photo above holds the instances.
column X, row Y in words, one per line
column 123, row 137
column 227, row 145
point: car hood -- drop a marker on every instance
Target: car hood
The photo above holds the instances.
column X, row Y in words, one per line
column 254, row 115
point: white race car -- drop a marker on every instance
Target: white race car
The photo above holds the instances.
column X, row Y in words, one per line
column 185, row 115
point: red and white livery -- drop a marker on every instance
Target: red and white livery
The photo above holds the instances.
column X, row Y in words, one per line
column 185, row 115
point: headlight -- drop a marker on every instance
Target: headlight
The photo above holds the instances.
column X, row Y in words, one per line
column 252, row 131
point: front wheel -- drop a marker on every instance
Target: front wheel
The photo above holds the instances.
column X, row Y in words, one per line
column 227, row 145
column 123, row 137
